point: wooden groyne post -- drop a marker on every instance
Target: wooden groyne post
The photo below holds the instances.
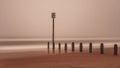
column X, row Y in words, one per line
column 81, row 47
column 90, row 47
column 73, row 47
column 115, row 50
column 59, row 47
column 53, row 47
column 48, row 47
column 65, row 47
column 101, row 48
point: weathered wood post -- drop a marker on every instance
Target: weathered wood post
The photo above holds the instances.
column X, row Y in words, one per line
column 115, row 50
column 53, row 47
column 73, row 47
column 90, row 47
column 101, row 48
column 65, row 47
column 59, row 47
column 81, row 47
column 53, row 15
column 48, row 47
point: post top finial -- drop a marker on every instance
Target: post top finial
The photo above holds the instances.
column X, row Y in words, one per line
column 53, row 14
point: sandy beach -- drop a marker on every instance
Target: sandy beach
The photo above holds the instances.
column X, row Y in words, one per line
column 65, row 60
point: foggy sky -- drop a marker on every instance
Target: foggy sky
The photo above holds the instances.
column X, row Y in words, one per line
column 74, row 18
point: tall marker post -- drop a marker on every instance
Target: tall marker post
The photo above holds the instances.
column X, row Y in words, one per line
column 53, row 42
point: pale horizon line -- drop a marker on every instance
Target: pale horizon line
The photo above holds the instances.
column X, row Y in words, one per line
column 48, row 39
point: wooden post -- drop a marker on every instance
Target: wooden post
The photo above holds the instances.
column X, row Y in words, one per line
column 115, row 50
column 65, row 47
column 59, row 47
column 101, row 48
column 81, row 47
column 53, row 47
column 90, row 48
column 48, row 47
column 73, row 47
column 53, row 15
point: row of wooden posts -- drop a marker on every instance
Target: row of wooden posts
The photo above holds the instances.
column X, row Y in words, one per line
column 81, row 48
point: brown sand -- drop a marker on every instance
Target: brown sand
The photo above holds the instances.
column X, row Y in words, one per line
column 68, row 60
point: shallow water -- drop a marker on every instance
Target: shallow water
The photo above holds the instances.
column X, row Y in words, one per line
column 44, row 47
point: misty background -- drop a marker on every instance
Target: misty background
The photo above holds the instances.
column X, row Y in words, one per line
column 74, row 18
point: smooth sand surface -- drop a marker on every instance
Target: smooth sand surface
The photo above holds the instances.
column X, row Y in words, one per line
column 65, row 60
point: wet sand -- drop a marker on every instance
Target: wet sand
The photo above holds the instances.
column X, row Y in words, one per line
column 65, row 60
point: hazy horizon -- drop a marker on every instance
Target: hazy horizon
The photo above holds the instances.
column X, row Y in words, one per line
column 74, row 18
